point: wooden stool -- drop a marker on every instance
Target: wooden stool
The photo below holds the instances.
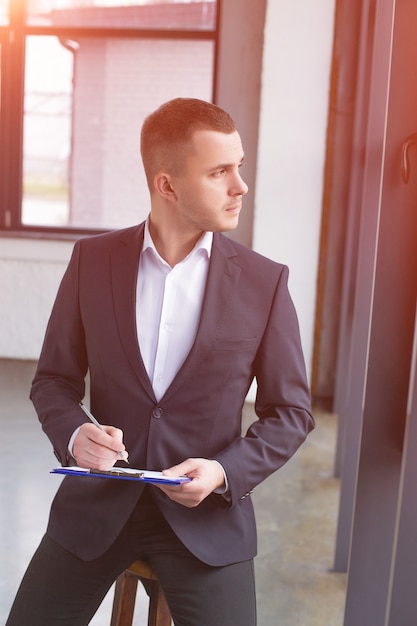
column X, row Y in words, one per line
column 125, row 596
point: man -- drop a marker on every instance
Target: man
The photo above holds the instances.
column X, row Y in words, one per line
column 172, row 320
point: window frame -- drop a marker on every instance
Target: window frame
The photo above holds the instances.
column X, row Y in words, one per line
column 12, row 92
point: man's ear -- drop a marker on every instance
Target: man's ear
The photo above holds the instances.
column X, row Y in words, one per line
column 162, row 184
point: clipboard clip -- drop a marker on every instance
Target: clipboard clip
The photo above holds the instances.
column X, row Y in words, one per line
column 114, row 471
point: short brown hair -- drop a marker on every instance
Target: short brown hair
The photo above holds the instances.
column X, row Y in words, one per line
column 167, row 131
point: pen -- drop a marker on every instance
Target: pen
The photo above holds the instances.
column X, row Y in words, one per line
column 123, row 455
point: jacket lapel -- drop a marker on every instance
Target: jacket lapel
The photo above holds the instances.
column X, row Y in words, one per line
column 221, row 283
column 124, row 270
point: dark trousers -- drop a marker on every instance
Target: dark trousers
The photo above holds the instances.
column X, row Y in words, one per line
column 59, row 589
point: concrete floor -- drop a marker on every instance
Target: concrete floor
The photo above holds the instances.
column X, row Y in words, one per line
column 296, row 512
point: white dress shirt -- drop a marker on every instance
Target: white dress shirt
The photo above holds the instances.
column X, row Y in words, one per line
column 168, row 308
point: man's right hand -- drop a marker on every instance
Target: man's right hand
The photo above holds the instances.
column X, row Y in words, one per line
column 96, row 449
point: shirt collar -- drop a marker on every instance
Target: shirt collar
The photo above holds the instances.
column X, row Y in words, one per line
column 204, row 243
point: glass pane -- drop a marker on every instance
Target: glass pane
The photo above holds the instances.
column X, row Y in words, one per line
column 47, row 131
column 84, row 105
column 4, row 12
column 169, row 14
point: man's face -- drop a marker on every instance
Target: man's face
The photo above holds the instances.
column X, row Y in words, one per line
column 209, row 188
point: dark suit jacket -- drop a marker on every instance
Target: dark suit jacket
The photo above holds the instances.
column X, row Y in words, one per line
column 248, row 328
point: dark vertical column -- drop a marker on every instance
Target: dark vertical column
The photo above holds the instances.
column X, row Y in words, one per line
column 403, row 600
column 335, row 230
column 359, row 268
column 375, row 537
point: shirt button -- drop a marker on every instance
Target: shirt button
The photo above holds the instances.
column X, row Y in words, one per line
column 157, row 412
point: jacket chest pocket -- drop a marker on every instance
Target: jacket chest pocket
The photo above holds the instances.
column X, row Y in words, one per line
column 237, row 345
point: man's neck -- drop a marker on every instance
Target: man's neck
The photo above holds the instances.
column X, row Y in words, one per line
column 173, row 246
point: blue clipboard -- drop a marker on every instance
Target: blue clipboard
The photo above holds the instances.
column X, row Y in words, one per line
column 121, row 473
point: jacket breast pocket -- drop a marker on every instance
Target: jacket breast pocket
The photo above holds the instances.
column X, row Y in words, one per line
column 236, row 344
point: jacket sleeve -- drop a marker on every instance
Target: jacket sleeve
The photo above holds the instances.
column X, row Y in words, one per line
column 58, row 385
column 282, row 403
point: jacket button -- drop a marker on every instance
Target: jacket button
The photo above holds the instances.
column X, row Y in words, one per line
column 157, row 412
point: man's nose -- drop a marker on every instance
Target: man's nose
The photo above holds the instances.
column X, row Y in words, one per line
column 239, row 187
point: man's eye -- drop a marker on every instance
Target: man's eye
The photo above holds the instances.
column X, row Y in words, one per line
column 219, row 173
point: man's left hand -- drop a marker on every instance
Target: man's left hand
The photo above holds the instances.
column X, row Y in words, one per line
column 207, row 475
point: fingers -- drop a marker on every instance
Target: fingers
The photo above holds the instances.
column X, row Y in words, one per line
column 97, row 449
column 184, row 468
column 206, row 475
column 117, row 434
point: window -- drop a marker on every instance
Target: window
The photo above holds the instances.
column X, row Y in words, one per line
column 77, row 79
column 3, row 13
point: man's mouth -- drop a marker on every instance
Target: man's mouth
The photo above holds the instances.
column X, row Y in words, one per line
column 234, row 208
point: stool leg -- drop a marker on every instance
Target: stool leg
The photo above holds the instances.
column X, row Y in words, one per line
column 124, row 600
column 159, row 613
